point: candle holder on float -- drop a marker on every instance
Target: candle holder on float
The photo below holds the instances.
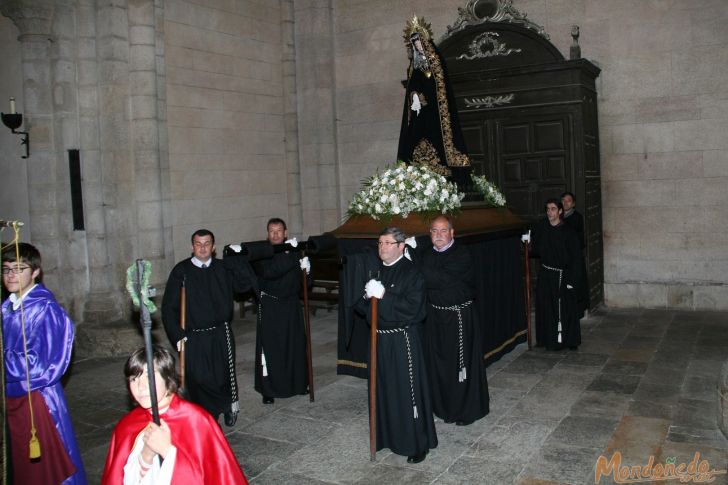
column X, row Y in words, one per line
column 14, row 121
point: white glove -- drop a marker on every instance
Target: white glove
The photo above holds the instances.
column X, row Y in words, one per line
column 526, row 238
column 374, row 288
column 411, row 242
column 236, row 247
column 180, row 343
column 305, row 264
column 416, row 105
column 292, row 242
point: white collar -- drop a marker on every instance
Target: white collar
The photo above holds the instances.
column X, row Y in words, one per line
column 16, row 301
column 393, row 262
column 449, row 245
column 199, row 263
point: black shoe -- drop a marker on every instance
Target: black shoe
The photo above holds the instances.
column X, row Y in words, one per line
column 463, row 423
column 574, row 347
column 230, row 418
column 418, row 457
column 268, row 400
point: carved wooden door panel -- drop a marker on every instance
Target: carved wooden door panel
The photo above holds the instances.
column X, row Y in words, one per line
column 529, row 157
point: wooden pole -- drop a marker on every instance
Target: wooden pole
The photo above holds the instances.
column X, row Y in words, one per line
column 373, row 383
column 307, row 330
column 528, row 296
column 183, row 324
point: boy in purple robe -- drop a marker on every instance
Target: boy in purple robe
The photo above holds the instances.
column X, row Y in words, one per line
column 43, row 445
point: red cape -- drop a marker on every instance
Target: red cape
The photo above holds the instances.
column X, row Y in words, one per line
column 203, row 454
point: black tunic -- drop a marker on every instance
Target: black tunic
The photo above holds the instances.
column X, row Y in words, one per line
column 561, row 265
column 452, row 343
column 210, row 379
column 576, row 221
column 281, row 337
column 402, row 383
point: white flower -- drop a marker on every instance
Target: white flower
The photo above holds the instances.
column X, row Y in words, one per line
column 404, row 189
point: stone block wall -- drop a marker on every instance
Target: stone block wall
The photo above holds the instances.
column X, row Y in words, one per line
column 225, row 108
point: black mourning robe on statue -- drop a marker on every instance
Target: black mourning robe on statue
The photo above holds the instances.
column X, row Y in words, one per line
column 433, row 136
column 404, row 411
column 561, row 265
column 280, row 342
column 576, row 221
column 210, row 378
column 453, row 340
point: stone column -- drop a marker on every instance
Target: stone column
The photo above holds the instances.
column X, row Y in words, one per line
column 290, row 118
column 145, row 43
column 34, row 21
column 317, row 130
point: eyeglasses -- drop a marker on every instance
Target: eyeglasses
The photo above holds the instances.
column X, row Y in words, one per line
column 388, row 243
column 14, row 269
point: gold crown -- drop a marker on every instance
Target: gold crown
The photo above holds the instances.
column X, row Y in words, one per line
column 419, row 25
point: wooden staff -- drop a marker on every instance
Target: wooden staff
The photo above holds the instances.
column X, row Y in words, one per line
column 307, row 330
column 528, row 297
column 146, row 322
column 183, row 324
column 373, row 383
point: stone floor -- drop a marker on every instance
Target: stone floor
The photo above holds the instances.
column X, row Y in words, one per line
column 643, row 383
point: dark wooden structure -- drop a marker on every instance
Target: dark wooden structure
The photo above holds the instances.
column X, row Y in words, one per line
column 529, row 116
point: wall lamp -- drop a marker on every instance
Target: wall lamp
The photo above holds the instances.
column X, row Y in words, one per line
column 14, row 120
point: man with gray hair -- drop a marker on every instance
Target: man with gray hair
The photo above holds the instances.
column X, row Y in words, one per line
column 453, row 340
column 404, row 411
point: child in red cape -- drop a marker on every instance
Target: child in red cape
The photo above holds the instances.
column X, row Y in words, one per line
column 189, row 442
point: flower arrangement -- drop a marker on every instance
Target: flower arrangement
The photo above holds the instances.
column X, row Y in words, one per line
column 491, row 195
column 402, row 189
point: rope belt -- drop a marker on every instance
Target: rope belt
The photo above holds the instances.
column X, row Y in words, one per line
column 462, row 373
column 235, row 404
column 260, row 319
column 409, row 362
column 561, row 273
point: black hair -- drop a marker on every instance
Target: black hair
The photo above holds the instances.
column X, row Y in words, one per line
column 202, row 233
column 571, row 194
column 163, row 363
column 29, row 254
column 556, row 202
column 276, row 220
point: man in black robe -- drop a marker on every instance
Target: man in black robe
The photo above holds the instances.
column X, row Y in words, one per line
column 573, row 218
column 210, row 284
column 453, row 342
column 404, row 410
column 557, row 310
column 280, row 344
column 430, row 133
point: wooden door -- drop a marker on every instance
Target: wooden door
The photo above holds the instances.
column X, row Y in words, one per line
column 528, row 156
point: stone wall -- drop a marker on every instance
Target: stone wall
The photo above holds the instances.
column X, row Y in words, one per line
column 225, row 108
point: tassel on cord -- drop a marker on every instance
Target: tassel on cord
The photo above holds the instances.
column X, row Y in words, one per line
column 265, row 367
column 558, row 339
column 415, row 411
column 34, row 445
column 462, row 375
